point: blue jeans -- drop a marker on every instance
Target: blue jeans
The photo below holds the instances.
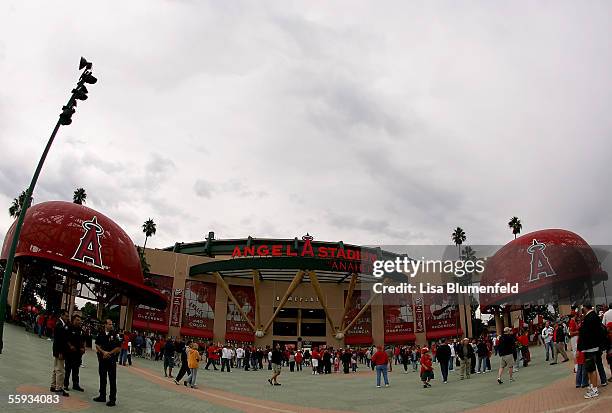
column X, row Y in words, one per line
column 482, row 364
column 451, row 363
column 193, row 377
column 600, row 368
column 549, row 347
column 381, row 369
column 581, row 376
column 123, row 356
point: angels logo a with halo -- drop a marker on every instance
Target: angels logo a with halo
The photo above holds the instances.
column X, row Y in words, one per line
column 540, row 266
column 89, row 250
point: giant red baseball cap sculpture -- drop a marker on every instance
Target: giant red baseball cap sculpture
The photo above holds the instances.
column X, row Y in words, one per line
column 550, row 263
column 77, row 237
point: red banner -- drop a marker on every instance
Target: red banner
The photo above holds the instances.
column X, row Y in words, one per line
column 236, row 327
column 419, row 315
column 399, row 318
column 177, row 301
column 361, row 331
column 441, row 317
column 149, row 318
column 199, row 311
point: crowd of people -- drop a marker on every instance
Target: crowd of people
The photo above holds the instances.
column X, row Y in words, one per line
column 584, row 334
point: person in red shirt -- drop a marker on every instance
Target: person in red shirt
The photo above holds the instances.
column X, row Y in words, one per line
column 298, row 360
column 157, row 348
column 51, row 321
column 381, row 360
column 426, row 367
column 124, row 348
column 396, row 354
column 40, row 323
column 213, row 354
column 315, row 357
column 523, row 339
column 574, row 326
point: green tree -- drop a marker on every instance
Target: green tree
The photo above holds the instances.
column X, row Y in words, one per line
column 79, row 196
column 18, row 204
column 149, row 228
column 146, row 267
column 458, row 237
column 515, row 225
column 89, row 310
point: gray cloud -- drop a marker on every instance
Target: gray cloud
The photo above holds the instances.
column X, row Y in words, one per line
column 354, row 122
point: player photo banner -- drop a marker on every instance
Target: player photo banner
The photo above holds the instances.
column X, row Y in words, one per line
column 361, row 331
column 441, row 317
column 154, row 318
column 177, row 303
column 419, row 315
column 399, row 318
column 199, row 310
column 236, row 327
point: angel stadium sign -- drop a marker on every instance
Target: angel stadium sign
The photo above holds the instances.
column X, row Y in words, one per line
column 339, row 258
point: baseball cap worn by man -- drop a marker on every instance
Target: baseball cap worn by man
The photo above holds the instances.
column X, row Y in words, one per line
column 507, row 330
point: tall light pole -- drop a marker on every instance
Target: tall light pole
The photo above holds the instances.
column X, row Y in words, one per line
column 65, row 118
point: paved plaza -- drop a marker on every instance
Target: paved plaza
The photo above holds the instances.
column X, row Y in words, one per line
column 25, row 368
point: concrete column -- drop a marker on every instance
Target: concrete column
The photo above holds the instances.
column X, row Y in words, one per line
column 499, row 323
column 100, row 311
column 465, row 315
column 378, row 321
column 16, row 282
column 130, row 314
column 220, row 314
column 565, row 309
column 122, row 317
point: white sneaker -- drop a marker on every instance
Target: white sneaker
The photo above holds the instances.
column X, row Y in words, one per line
column 378, row 387
column 386, row 385
column 591, row 393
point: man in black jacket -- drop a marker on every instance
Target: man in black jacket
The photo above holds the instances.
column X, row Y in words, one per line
column 506, row 348
column 60, row 348
column 346, row 360
column 182, row 350
column 591, row 337
column 74, row 353
column 443, row 354
column 559, row 342
column 465, row 352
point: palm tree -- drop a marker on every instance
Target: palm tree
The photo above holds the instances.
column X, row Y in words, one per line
column 146, row 267
column 149, row 229
column 515, row 225
column 79, row 196
column 469, row 255
column 458, row 237
column 18, row 204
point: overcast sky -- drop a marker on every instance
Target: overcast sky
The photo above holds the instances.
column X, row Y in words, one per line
column 368, row 122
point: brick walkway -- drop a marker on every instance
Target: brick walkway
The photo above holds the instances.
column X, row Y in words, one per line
column 560, row 396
